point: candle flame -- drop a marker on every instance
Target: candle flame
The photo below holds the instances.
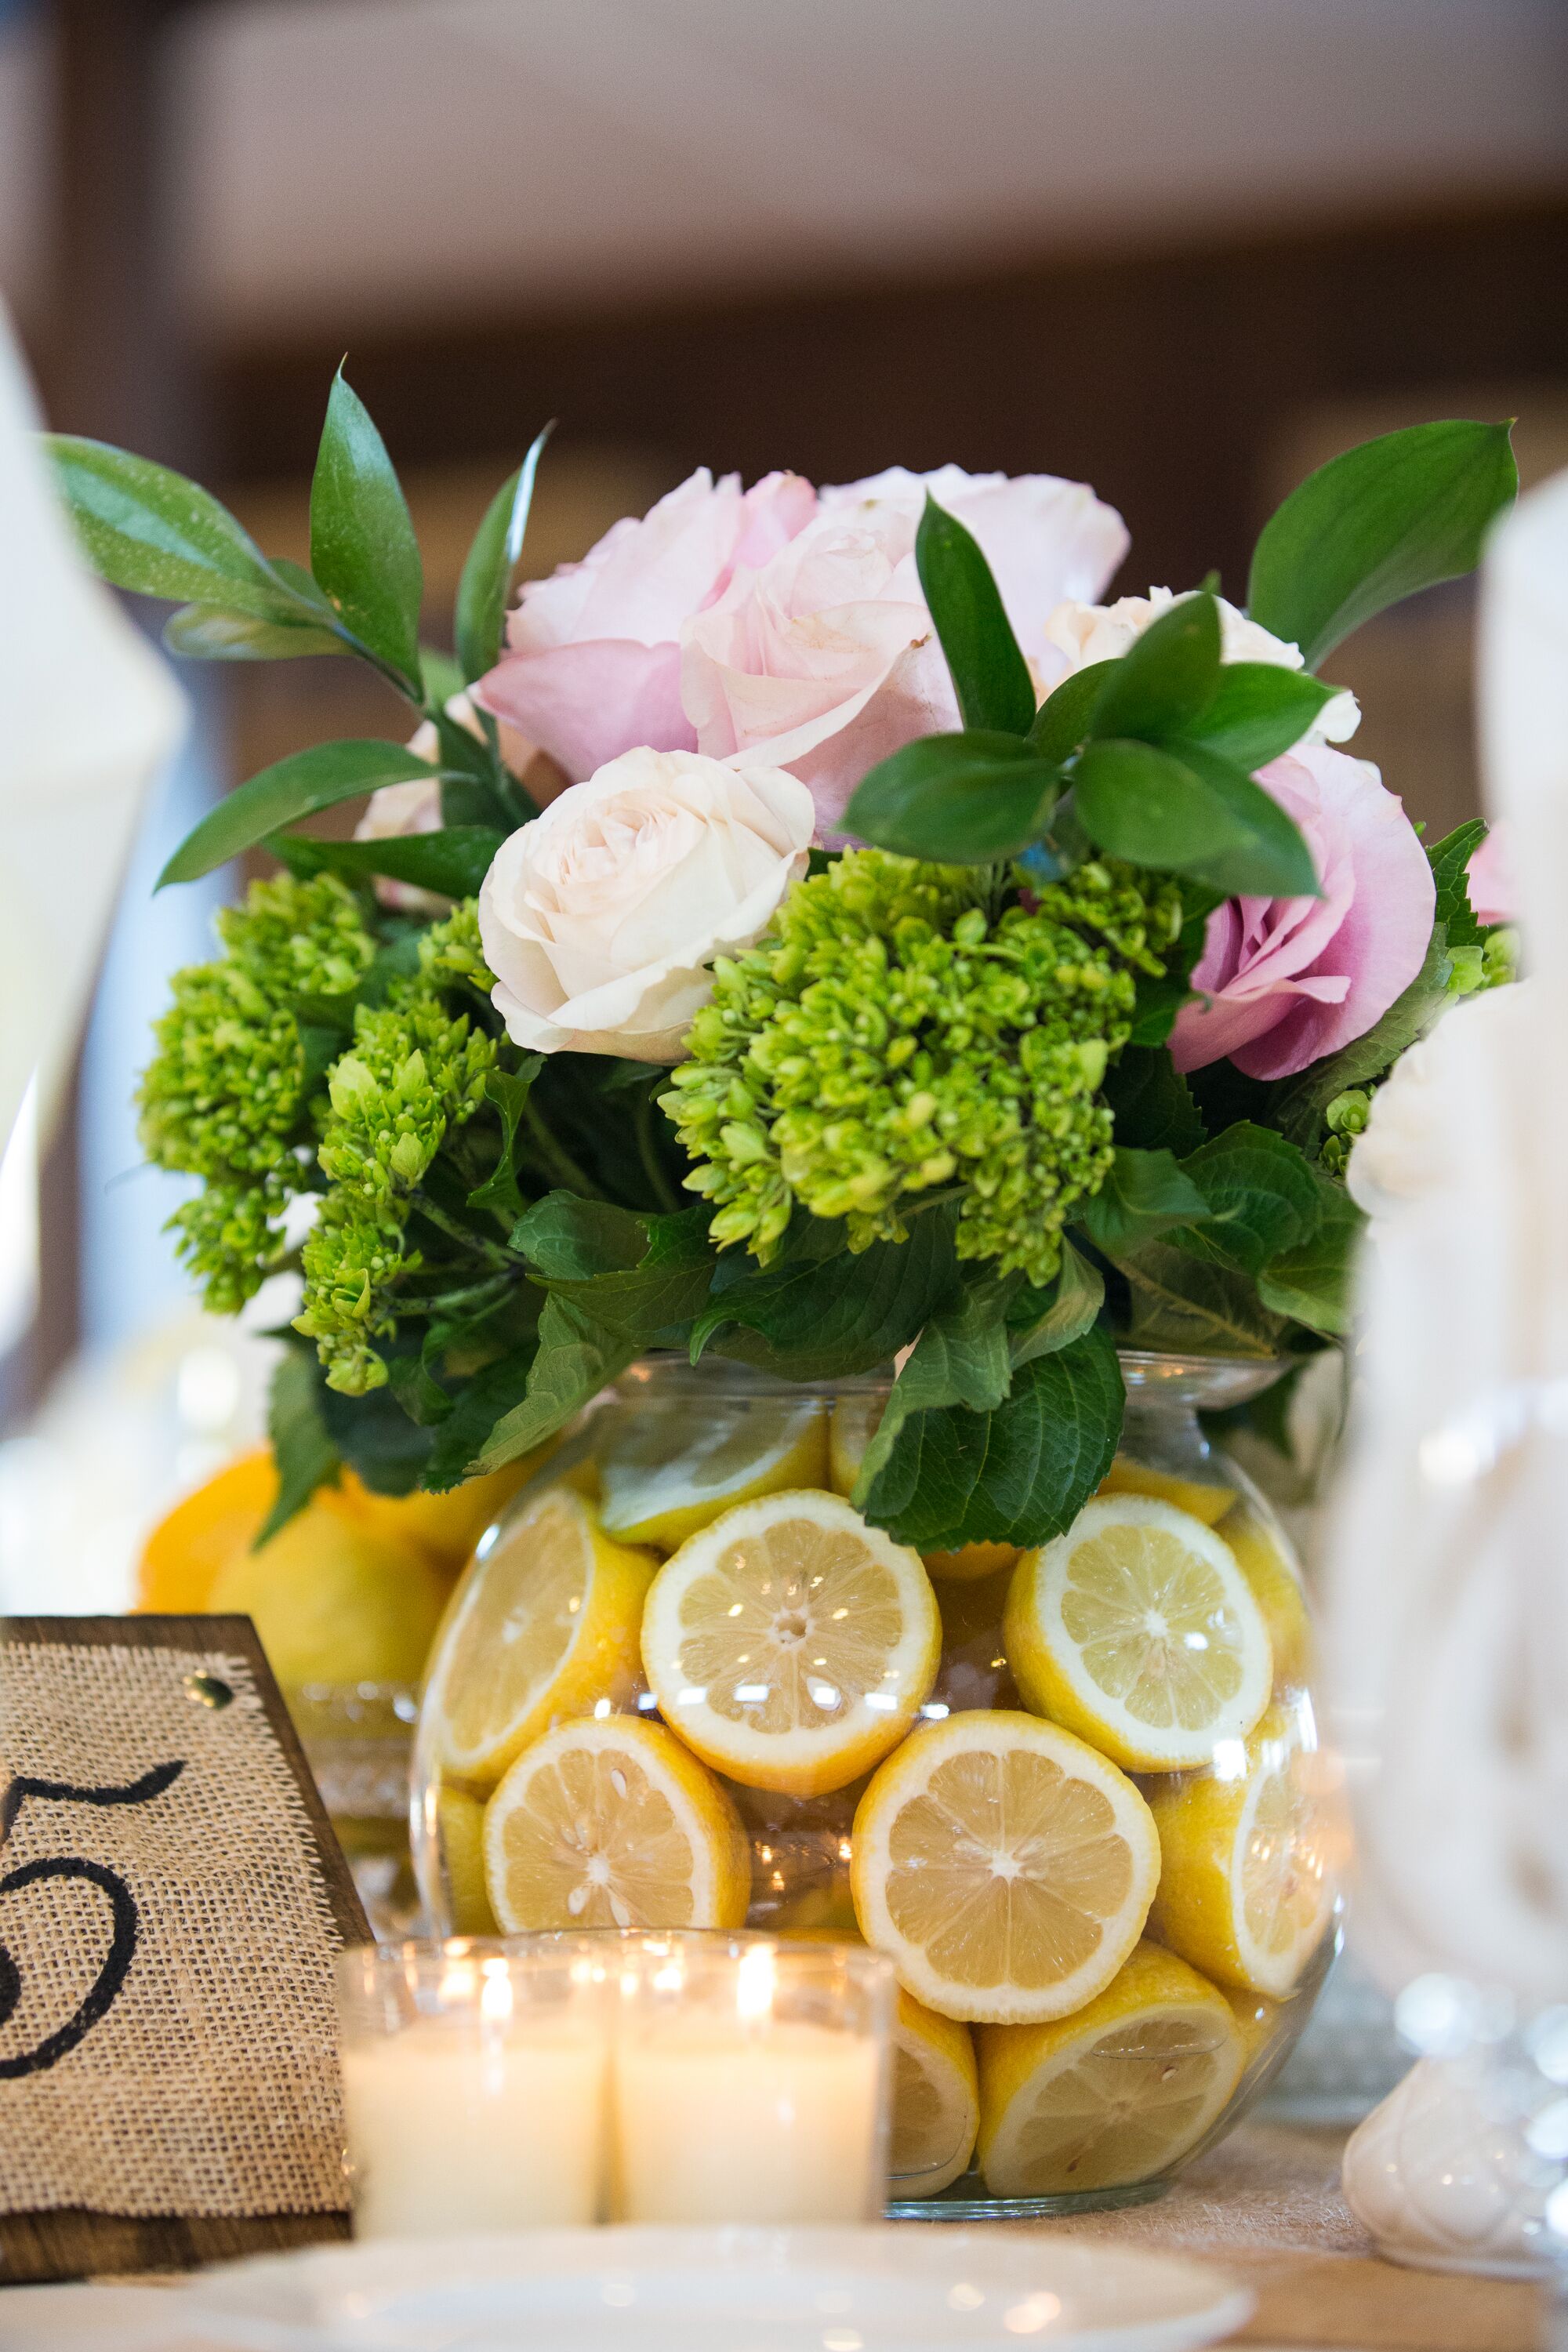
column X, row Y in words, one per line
column 459, row 1983
column 756, row 1979
column 496, row 1997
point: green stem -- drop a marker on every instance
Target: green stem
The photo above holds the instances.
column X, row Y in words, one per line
column 642, row 1122
column 555, row 1160
column 492, row 1251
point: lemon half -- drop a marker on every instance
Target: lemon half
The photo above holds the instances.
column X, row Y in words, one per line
column 545, row 1627
column 936, row 2100
column 1112, row 2095
column 790, row 1644
column 1246, row 1887
column 1004, row 1866
column 655, row 1494
column 612, row 1823
column 1138, row 1630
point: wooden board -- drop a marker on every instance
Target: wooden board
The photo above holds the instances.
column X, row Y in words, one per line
column 72, row 2243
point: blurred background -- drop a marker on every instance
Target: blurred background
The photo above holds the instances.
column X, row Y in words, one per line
column 1181, row 249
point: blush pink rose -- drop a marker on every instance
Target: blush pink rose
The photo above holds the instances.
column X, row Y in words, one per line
column 824, row 661
column 1489, row 879
column 592, row 661
column 1292, row 979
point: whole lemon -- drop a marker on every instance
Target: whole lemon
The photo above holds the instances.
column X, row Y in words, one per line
column 335, row 1601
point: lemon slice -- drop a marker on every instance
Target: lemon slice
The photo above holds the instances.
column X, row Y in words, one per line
column 1004, row 1867
column 936, row 2100
column 1246, row 1887
column 462, row 1833
column 1205, row 1502
column 1276, row 1586
column 657, row 1494
column 971, row 1562
column 1138, row 1630
column 1113, row 2095
column 790, row 1644
column 611, row 1823
column 544, row 1627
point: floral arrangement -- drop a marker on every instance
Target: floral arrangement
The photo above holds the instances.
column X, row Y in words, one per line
column 812, row 930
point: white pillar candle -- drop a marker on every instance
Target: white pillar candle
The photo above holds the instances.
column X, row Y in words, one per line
column 454, row 2125
column 777, row 2122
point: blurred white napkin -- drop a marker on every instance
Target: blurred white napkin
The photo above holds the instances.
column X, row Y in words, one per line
column 88, row 714
column 1448, row 1627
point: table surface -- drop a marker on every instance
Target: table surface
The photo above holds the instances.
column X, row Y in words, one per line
column 1265, row 2206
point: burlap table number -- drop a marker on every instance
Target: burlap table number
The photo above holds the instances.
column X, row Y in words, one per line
column 171, row 1898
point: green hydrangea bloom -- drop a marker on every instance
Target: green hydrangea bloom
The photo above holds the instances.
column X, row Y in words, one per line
column 888, row 1037
column 230, row 1237
column 352, row 1257
column 298, row 938
column 414, row 1072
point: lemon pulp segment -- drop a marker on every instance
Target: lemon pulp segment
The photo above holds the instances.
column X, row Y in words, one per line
column 1112, row 2095
column 1005, row 1868
column 1138, row 1630
column 662, row 1484
column 612, row 1823
column 790, row 1645
column 545, row 1627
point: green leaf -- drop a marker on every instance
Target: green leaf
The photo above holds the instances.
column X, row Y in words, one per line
column 1261, row 1196
column 1019, row 1473
column 1396, row 515
column 1449, row 860
column 484, row 1400
column 364, row 552
column 507, row 1092
column 827, row 1317
column 1062, row 720
column 491, row 559
column 1041, row 1322
column 1258, row 711
column 1144, row 1194
column 304, row 1453
column 576, row 1357
column 965, row 799
column 639, row 1275
column 212, row 633
column 990, row 676
column 283, row 793
column 453, row 861
column 1312, row 1282
column 154, row 532
column 1166, row 677
column 961, row 1356
column 1151, row 1103
column 1180, row 1302
column 1299, row 1108
column 386, row 1450
column 1195, row 815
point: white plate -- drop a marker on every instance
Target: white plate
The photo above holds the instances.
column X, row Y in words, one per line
column 735, row 2290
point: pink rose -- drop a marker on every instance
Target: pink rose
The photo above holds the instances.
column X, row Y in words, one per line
column 593, row 665
column 1489, row 879
column 824, row 660
column 1292, row 979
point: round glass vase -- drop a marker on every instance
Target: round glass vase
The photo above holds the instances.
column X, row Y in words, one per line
column 682, row 1684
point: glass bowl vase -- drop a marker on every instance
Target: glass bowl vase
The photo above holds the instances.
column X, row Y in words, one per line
column 1074, row 1792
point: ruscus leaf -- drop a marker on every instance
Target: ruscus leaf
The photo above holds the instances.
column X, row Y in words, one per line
column 990, row 676
column 1396, row 515
column 1191, row 814
column 452, row 862
column 157, row 534
column 491, row 559
column 963, row 799
column 1166, row 677
column 364, row 552
column 282, row 795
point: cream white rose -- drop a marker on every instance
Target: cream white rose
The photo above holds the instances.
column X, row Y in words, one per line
column 1082, row 634
column 601, row 917
column 1402, row 1155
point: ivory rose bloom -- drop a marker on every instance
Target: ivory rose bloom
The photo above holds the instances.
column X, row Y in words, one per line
column 601, row 917
column 592, row 661
column 824, row 659
column 1402, row 1154
column 1290, row 980
column 1079, row 634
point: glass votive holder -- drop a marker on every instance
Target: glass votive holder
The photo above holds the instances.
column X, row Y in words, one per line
column 474, row 2084
column 751, row 2081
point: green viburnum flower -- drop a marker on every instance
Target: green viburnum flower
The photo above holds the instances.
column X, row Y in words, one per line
column 888, row 1037
column 225, row 1095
